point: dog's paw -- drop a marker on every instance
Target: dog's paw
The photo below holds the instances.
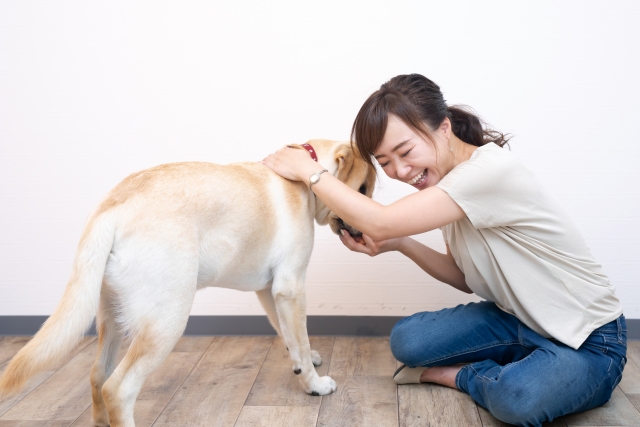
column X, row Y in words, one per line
column 316, row 359
column 322, row 386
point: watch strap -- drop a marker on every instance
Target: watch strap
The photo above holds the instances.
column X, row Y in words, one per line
column 316, row 177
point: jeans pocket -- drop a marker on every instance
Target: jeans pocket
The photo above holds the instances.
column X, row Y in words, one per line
column 597, row 342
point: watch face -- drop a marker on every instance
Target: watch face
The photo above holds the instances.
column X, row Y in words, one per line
column 314, row 178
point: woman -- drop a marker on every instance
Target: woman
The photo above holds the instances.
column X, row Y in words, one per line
column 550, row 339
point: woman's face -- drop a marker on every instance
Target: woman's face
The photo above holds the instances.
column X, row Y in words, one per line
column 407, row 156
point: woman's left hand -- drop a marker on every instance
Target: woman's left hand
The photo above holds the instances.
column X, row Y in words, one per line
column 292, row 163
column 365, row 244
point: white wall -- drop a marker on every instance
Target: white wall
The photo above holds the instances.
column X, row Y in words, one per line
column 91, row 91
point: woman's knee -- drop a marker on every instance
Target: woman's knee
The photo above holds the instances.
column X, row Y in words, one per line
column 436, row 335
column 410, row 340
column 520, row 404
column 402, row 346
column 524, row 405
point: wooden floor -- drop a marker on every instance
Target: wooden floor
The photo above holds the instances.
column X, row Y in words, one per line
column 247, row 381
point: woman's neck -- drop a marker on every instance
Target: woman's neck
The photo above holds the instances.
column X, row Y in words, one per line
column 460, row 150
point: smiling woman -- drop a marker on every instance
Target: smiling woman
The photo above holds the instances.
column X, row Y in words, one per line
column 418, row 103
column 550, row 338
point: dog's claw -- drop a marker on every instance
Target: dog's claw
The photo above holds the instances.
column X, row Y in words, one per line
column 316, row 359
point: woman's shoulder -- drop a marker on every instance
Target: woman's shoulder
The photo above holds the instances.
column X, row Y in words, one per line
column 489, row 164
column 493, row 153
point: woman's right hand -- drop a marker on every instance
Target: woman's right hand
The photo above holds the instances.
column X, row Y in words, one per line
column 366, row 245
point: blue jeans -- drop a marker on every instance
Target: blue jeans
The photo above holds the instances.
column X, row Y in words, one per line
column 519, row 376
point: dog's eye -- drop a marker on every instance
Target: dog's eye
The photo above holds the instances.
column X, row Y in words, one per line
column 363, row 189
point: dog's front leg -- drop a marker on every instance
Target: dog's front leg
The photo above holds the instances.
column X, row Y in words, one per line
column 290, row 303
column 265, row 296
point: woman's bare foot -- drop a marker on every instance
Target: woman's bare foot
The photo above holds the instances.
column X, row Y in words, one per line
column 443, row 375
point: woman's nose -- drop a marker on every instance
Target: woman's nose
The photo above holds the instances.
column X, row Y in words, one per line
column 403, row 170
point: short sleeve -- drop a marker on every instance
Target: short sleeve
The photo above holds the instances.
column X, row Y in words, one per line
column 493, row 188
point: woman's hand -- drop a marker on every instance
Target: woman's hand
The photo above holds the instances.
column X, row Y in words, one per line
column 366, row 245
column 291, row 163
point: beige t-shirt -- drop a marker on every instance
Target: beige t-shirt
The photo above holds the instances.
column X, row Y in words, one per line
column 518, row 248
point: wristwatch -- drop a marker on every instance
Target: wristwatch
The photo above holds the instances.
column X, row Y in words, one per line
column 316, row 177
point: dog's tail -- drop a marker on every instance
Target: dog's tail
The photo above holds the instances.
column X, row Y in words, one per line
column 75, row 312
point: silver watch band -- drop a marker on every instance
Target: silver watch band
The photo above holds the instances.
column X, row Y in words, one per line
column 316, row 177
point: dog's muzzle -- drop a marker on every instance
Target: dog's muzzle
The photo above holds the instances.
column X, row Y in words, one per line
column 344, row 226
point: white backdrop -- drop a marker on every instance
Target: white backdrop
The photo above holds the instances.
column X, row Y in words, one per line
column 91, row 91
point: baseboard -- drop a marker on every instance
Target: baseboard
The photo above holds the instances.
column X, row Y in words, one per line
column 365, row 326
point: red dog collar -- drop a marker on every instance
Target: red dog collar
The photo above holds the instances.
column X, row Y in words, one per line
column 311, row 151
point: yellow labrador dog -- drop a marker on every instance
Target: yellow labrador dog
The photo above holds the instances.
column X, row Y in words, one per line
column 162, row 234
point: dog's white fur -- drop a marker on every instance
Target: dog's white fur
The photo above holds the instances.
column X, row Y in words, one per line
column 163, row 233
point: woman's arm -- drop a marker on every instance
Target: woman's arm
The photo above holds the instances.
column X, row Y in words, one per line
column 440, row 266
column 417, row 213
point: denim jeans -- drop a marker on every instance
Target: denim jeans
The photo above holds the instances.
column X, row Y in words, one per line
column 519, row 376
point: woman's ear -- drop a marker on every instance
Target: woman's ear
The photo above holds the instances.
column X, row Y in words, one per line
column 445, row 127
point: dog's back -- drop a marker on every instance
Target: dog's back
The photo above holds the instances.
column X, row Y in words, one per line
column 239, row 220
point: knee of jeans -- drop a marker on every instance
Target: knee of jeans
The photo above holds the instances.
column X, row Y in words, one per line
column 403, row 345
column 517, row 404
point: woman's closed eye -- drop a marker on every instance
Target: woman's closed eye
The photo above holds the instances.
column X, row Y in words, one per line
column 406, row 152
column 401, row 155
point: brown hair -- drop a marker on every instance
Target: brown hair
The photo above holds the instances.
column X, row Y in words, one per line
column 419, row 103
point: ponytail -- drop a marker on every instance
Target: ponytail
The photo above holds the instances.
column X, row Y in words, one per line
column 467, row 126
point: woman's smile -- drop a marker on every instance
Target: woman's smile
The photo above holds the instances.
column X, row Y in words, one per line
column 419, row 179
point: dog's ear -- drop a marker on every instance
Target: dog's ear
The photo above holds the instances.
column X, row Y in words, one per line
column 345, row 158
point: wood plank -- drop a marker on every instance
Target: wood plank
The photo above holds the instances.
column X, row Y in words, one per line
column 162, row 384
column 34, row 423
column 630, row 383
column 8, row 403
column 214, row 392
column 192, row 344
column 62, row 396
column 9, row 346
column 489, row 420
column 280, row 416
column 619, row 411
column 361, row 401
column 633, row 351
column 434, row 405
column 362, row 356
column 277, row 385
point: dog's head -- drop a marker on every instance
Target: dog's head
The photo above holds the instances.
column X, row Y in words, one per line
column 342, row 162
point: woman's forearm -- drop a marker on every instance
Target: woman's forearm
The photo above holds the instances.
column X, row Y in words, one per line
column 379, row 222
column 440, row 266
column 387, row 222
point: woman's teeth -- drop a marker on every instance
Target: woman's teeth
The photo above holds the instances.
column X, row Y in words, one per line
column 418, row 178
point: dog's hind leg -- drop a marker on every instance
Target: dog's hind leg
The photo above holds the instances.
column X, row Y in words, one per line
column 109, row 338
column 266, row 299
column 268, row 303
column 290, row 302
column 156, row 333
